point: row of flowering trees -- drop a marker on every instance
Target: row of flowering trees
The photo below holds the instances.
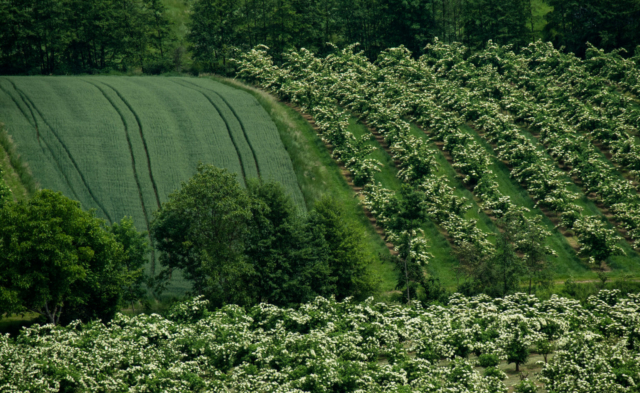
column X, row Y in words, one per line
column 502, row 99
column 311, row 83
column 442, row 91
column 624, row 72
column 494, row 109
column 329, row 346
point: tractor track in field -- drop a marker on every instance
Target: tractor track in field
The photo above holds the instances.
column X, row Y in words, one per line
column 73, row 161
column 144, row 141
column 34, row 122
column 226, row 123
column 31, row 121
column 244, row 131
column 135, row 171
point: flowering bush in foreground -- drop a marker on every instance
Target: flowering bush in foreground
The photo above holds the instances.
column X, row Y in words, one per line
column 329, row 346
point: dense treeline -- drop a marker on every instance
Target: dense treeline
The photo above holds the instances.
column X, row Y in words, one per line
column 79, row 36
column 605, row 24
column 221, row 27
column 75, row 36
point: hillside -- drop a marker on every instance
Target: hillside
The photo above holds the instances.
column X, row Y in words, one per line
column 122, row 145
column 560, row 161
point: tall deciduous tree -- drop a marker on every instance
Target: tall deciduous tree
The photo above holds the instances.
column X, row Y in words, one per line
column 348, row 261
column 202, row 230
column 289, row 255
column 58, row 261
column 213, row 31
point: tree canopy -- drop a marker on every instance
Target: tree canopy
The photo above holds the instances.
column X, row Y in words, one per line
column 79, row 36
column 252, row 245
column 58, row 260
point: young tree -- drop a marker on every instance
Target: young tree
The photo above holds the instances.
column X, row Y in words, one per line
column 348, row 260
column 58, row 261
column 598, row 241
column 507, row 265
column 517, row 344
column 529, row 241
column 476, row 267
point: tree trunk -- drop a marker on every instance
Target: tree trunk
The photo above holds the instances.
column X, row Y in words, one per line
column 531, row 16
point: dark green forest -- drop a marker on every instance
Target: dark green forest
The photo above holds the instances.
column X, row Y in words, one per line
column 79, row 36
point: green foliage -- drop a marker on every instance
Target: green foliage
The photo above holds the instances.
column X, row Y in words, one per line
column 76, row 36
column 248, row 246
column 544, row 347
column 136, row 251
column 526, row 386
column 350, row 263
column 517, row 346
column 5, row 191
column 287, row 252
column 607, row 24
column 201, row 231
column 488, row 360
column 506, row 22
column 213, row 31
column 58, row 261
column 492, row 371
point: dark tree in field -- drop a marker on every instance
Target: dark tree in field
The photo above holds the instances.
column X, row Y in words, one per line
column 289, row 255
column 58, row 261
column 202, row 230
column 348, row 261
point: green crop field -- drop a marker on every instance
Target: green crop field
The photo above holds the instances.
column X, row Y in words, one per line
column 121, row 145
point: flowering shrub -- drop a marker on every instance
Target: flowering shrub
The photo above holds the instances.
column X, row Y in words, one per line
column 328, row 346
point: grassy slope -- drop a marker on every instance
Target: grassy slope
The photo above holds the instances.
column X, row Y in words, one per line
column 444, row 262
column 15, row 173
column 318, row 174
column 567, row 263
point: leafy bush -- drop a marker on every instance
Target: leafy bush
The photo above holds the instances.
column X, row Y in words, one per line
column 488, row 360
